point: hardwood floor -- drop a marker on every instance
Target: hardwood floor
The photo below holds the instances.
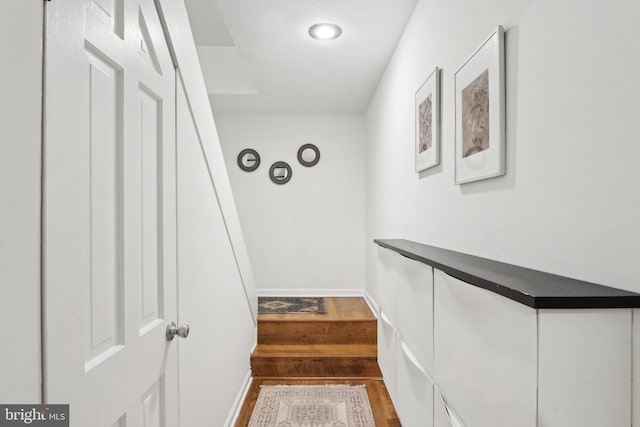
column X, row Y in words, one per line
column 337, row 347
column 384, row 413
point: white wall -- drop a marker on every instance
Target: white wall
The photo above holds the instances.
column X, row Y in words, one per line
column 305, row 237
column 214, row 361
column 569, row 203
column 20, row 152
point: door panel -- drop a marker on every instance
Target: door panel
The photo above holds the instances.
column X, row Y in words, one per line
column 151, row 281
column 103, row 313
column 110, row 13
column 152, row 406
column 109, row 214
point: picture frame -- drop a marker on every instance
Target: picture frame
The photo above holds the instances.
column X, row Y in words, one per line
column 427, row 123
column 480, row 137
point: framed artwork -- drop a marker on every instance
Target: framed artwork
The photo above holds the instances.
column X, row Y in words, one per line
column 480, row 112
column 427, row 149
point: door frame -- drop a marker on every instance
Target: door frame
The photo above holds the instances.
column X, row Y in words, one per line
column 21, row 25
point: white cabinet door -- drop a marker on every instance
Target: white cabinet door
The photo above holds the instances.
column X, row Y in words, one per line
column 444, row 415
column 109, row 238
column 636, row 367
column 414, row 390
column 406, row 296
column 415, row 309
column 485, row 354
column 584, row 368
column 440, row 418
column 387, row 353
column 388, row 278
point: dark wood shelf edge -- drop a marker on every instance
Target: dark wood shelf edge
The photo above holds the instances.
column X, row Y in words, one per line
column 532, row 288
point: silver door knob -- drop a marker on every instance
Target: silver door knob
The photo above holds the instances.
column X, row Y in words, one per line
column 173, row 329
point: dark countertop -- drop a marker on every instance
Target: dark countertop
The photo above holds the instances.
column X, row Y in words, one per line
column 533, row 288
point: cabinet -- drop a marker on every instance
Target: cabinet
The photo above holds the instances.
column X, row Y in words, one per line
column 485, row 354
column 387, row 353
column 414, row 389
column 405, row 335
column 547, row 351
column 584, row 374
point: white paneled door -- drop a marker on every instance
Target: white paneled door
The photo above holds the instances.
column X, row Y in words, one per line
column 109, row 237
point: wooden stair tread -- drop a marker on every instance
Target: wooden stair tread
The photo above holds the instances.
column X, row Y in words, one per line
column 311, row 320
column 316, row 350
column 338, row 309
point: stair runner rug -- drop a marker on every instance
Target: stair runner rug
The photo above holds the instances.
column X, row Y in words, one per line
column 291, row 305
column 312, row 406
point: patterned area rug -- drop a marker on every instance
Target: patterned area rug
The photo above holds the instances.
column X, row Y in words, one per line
column 291, row 305
column 317, row 406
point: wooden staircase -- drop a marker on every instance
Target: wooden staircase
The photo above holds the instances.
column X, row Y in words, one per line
column 339, row 344
column 339, row 347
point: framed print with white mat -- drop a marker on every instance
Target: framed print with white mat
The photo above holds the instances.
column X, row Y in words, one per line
column 480, row 112
column 427, row 148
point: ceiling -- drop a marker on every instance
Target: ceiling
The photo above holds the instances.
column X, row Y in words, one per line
column 257, row 56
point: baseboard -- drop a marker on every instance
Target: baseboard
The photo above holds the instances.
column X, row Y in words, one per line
column 237, row 404
column 310, row 292
column 373, row 305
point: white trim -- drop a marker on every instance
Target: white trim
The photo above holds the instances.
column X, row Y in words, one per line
column 237, row 404
column 21, row 262
column 311, row 292
column 373, row 304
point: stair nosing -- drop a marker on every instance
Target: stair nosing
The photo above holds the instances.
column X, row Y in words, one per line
column 317, row 321
column 354, row 378
column 314, row 356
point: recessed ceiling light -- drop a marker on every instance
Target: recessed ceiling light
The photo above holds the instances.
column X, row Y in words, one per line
column 325, row 31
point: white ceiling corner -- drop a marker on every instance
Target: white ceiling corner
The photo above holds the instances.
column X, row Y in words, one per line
column 225, row 71
column 207, row 24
